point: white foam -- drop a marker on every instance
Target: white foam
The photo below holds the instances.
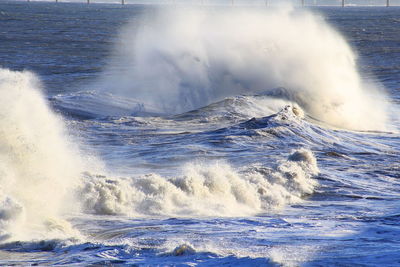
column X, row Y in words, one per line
column 205, row 190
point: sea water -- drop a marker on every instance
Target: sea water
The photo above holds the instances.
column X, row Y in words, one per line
column 193, row 135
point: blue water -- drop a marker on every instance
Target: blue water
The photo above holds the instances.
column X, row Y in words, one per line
column 216, row 185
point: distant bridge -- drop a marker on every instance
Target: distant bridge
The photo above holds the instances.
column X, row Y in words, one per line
column 232, row 2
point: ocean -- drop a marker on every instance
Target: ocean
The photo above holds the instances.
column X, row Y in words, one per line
column 184, row 135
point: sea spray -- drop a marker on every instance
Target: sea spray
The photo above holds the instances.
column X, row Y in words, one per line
column 39, row 167
column 185, row 58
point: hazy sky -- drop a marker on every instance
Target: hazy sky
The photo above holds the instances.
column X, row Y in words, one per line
column 308, row 2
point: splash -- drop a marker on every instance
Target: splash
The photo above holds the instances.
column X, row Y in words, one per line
column 182, row 59
column 205, row 190
column 38, row 165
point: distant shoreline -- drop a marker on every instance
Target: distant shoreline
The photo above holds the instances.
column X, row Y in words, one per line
column 200, row 3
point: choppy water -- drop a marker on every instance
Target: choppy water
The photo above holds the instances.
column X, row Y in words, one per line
column 218, row 136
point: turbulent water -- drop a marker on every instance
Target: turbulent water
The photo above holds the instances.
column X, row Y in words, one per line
column 211, row 136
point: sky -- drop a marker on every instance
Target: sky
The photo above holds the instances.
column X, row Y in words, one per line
column 271, row 2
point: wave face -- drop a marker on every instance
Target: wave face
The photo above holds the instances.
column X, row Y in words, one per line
column 182, row 59
column 38, row 166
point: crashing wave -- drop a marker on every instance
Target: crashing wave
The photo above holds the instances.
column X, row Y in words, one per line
column 204, row 190
column 39, row 166
column 183, row 59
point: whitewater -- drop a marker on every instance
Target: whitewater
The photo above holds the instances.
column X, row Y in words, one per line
column 186, row 135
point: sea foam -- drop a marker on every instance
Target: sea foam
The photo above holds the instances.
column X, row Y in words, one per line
column 213, row 189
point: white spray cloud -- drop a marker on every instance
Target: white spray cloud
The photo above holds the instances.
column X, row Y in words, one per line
column 185, row 58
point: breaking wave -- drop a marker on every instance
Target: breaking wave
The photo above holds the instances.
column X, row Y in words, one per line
column 183, row 59
column 205, row 190
column 39, row 166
